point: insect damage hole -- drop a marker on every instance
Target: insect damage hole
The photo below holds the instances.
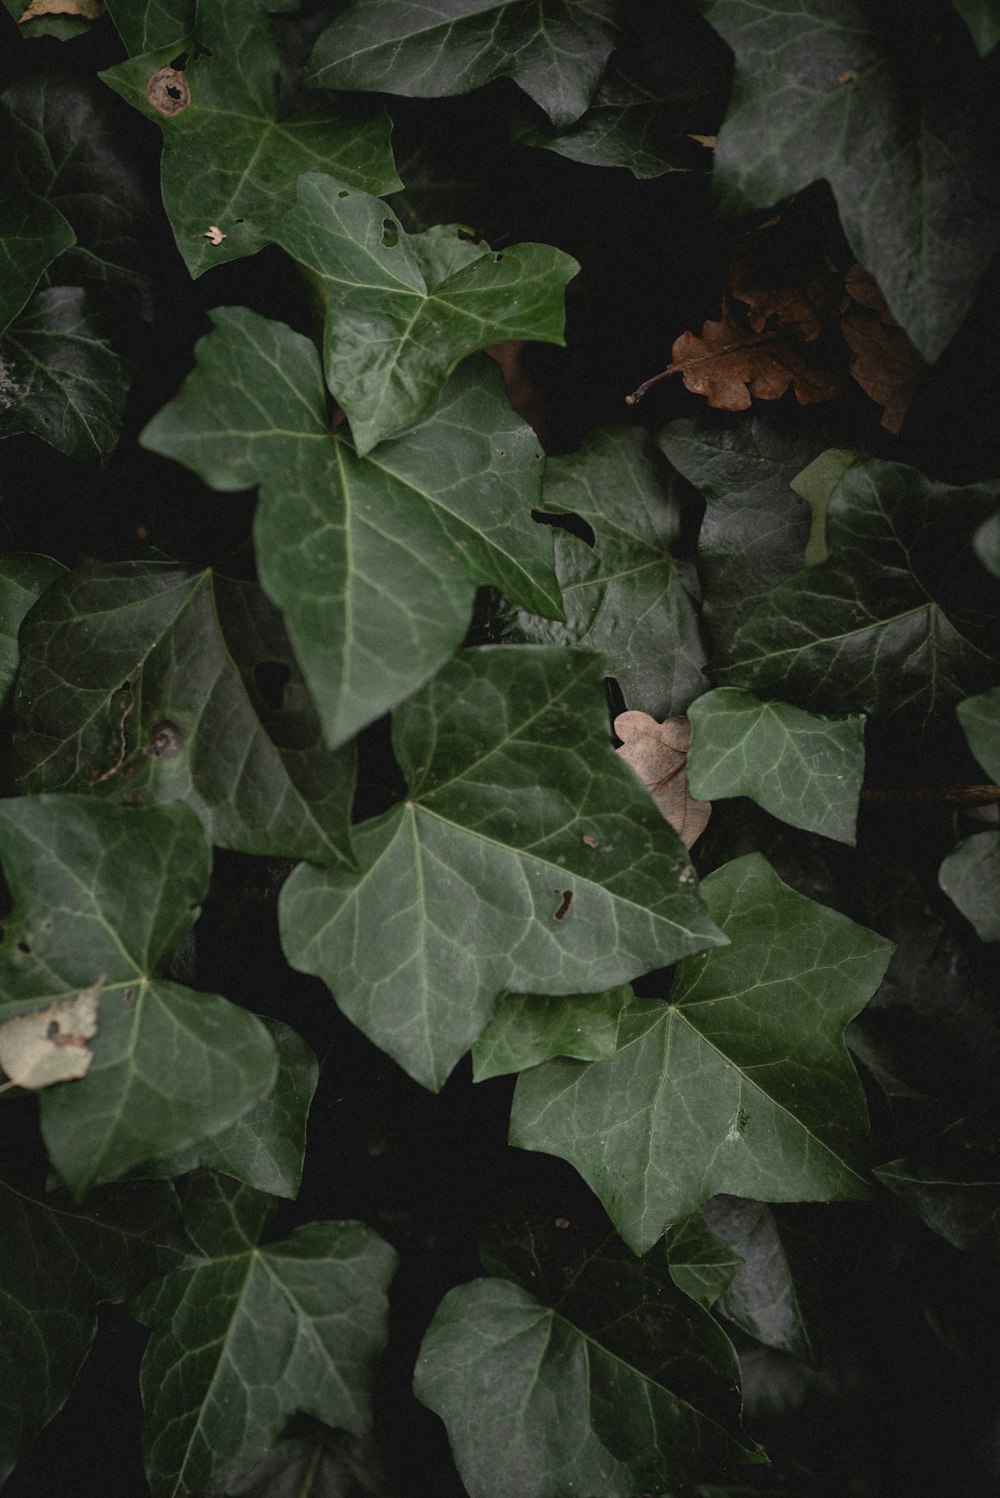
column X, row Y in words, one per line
column 167, row 89
column 563, row 907
column 390, row 234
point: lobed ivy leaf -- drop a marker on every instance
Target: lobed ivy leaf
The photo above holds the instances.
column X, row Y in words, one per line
column 142, row 681
column 701, row 1265
column 32, row 234
column 230, row 158
column 60, row 377
column 323, row 1464
column 250, row 1335
column 626, row 594
column 980, row 720
column 738, row 1082
column 960, row 1200
column 527, row 1029
column 23, row 576
column 970, row 877
column 56, row 1262
column 526, row 856
column 374, row 560
column 152, row 23
column 404, row 309
column 818, row 93
column 895, row 618
column 554, row 49
column 101, row 897
column 983, row 20
column 755, row 528
column 763, row 1297
column 801, row 767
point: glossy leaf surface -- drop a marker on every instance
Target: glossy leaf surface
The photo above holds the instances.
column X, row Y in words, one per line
column 970, row 877
column 530, row 1028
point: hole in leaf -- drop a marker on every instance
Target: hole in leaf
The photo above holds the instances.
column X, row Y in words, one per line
column 575, row 524
column 200, row 52
column 24, row 946
column 390, row 234
column 179, row 63
column 497, row 259
column 343, row 193
column 270, row 678
column 53, row 1029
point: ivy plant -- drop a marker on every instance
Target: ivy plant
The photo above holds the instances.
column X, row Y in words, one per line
column 401, row 555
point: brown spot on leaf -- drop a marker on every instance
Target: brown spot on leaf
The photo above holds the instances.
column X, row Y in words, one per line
column 563, row 906
column 167, row 91
column 165, row 741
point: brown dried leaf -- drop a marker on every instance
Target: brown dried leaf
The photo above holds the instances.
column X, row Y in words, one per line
column 50, row 1045
column 657, row 752
column 886, row 365
column 727, row 364
column 772, row 289
column 89, row 10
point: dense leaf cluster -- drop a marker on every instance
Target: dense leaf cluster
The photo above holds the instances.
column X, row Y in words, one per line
column 331, row 551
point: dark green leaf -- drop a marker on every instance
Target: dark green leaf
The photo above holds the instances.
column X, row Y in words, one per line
column 61, row 378
column 374, row 560
column 23, row 576
column 897, row 618
column 980, row 720
column 329, row 1464
column 530, row 1393
column 229, row 160
column 243, row 1340
column 264, row 1148
column 102, row 895
column 142, row 680
column 739, row 1082
column 755, row 528
column 970, row 877
column 762, row 1297
column 65, row 142
column 626, row 595
column 701, row 1265
column 144, row 25
column 819, row 92
column 526, row 856
column 32, row 234
column 404, row 309
column 530, row 1028
column 983, row 20
column 987, row 544
column 801, row 767
column 958, row 1204
column 555, row 49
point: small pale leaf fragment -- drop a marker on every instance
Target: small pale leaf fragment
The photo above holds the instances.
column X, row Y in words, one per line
column 657, row 752
column 50, row 1045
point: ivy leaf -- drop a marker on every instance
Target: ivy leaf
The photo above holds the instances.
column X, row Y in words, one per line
column 970, row 877
column 64, row 139
column 960, row 1201
column 61, row 379
column 755, row 529
column 566, row 880
column 527, row 1029
column 403, row 309
column 155, row 23
column 56, row 1262
column 701, row 1265
column 801, row 767
column 763, row 1296
column 980, row 720
column 559, row 1404
column 987, row 544
column 626, row 594
column 141, row 680
column 374, row 561
column 983, row 20
column 895, row 618
column 247, row 1337
column 229, row 159
column 169, row 1065
column 324, row 1464
column 554, row 49
column 32, row 234
column 23, row 576
column 817, row 93
column 739, row 1082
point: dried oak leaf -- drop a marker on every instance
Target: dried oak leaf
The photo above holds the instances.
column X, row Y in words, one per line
column 771, row 287
column 657, row 752
column 728, row 365
column 886, row 365
column 50, row 1045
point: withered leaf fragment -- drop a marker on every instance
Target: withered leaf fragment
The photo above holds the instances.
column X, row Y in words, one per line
column 657, row 752
column 886, row 365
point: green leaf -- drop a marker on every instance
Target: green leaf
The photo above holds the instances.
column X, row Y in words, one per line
column 625, row 595
column 526, row 856
column 32, row 234
column 970, row 877
column 987, row 544
column 246, row 1338
column 373, row 560
column 324, row 1464
column 230, row 159
column 554, row 49
column 56, row 1263
column 895, row 619
column 527, row 1029
column 701, row 1265
column 980, row 720
column 531, row 1392
column 801, row 767
column 102, row 896
column 738, row 1082
column 755, row 529
column 816, row 483
column 983, row 20
column 958, row 1202
column 142, row 680
column 402, row 309
column 151, row 23
column 64, row 139
column 763, row 1296
column 264, row 1148
column 23, row 576
column 61, row 379
column 820, row 92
